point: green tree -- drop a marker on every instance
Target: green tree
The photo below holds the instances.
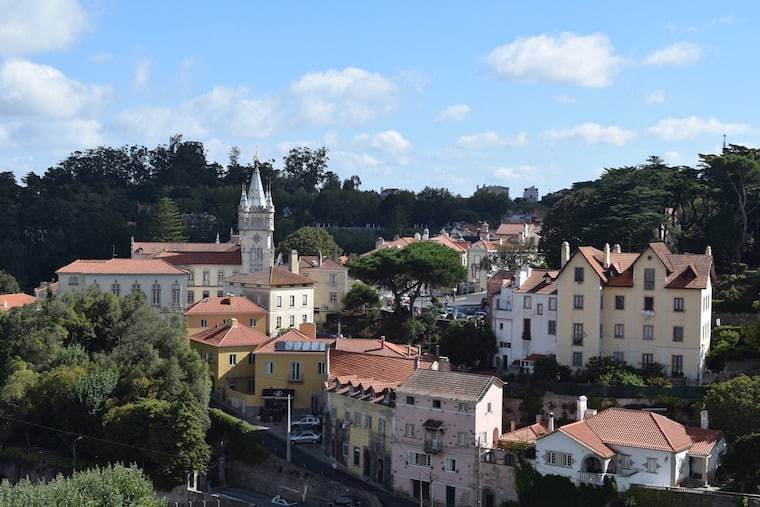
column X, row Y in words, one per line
column 8, row 284
column 361, row 298
column 305, row 168
column 734, row 406
column 468, row 342
column 607, row 370
column 405, row 271
column 742, row 462
column 166, row 223
column 309, row 241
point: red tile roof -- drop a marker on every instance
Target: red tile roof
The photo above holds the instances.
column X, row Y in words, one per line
column 270, row 277
column 449, row 384
column 121, row 267
column 16, row 300
column 366, row 370
column 525, row 435
column 152, row 248
column 371, row 346
column 536, row 282
column 188, row 258
column 294, row 335
column 224, row 305
column 231, row 335
column 704, row 440
column 459, row 246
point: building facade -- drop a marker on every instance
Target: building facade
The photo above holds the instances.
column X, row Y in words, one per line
column 211, row 312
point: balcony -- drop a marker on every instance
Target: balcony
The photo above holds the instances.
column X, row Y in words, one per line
column 433, row 446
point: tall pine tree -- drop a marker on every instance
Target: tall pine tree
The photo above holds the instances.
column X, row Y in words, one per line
column 166, row 223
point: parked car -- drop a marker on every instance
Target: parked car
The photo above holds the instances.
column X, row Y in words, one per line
column 306, row 436
column 278, row 500
column 480, row 314
column 307, row 420
column 345, row 501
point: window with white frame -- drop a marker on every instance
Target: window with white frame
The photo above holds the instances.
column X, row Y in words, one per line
column 368, row 422
column 175, row 295
column 678, row 305
column 449, row 464
column 527, row 302
column 292, row 301
column 648, row 332
column 321, row 368
column 279, row 301
column 463, row 407
column 219, row 276
column 269, row 367
column 333, row 297
column 155, row 294
column 677, row 333
column 204, row 323
column 206, row 278
column 462, row 439
column 551, row 327
column 357, row 419
column 232, row 359
column 624, row 461
column 305, row 300
column 409, row 430
column 278, row 322
column 381, row 425
column 651, row 465
column 566, row 460
column 116, row 288
column 578, row 333
column 418, row 458
column 578, row 302
column 648, row 279
column 552, row 304
column 619, row 331
column 292, row 320
column 295, row 370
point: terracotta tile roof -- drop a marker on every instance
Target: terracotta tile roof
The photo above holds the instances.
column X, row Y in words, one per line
column 294, row 335
column 459, row 246
column 231, row 335
column 152, row 248
column 16, row 300
column 270, row 277
column 121, row 267
column 703, row 441
column 224, row 305
column 449, row 384
column 582, row 433
column 312, row 261
column 526, row 434
column 371, row 346
column 229, row 258
column 638, row 428
column 510, row 229
column 536, row 282
column 365, row 370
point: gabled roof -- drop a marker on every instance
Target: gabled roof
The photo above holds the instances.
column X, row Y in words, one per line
column 121, row 267
column 639, row 429
column 228, row 258
column 16, row 300
column 291, row 337
column 526, row 434
column 703, row 440
column 312, row 262
column 536, row 282
column 270, row 277
column 372, row 346
column 449, row 385
column 153, row 248
column 370, row 371
column 225, row 305
column 459, row 246
column 231, row 335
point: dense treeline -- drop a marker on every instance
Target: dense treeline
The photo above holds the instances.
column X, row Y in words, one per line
column 113, row 371
column 93, row 202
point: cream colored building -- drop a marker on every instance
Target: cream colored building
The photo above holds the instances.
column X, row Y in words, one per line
column 331, row 283
column 642, row 308
column 211, row 312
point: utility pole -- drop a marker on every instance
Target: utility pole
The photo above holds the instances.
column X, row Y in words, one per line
column 287, row 457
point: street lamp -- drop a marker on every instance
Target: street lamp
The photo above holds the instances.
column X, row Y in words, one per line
column 74, row 453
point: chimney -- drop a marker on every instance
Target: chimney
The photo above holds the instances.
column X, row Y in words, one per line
column 444, row 364
column 704, row 421
column 419, row 350
column 382, row 342
column 231, row 298
column 294, row 261
column 512, row 425
column 708, row 250
column 233, row 322
column 564, row 253
column 408, row 350
column 379, row 242
column 606, row 256
column 590, row 412
column 538, row 418
column 319, row 259
column 417, row 363
column 580, row 407
column 616, row 248
column 550, row 427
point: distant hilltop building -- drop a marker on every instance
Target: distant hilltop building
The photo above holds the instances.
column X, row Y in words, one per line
column 493, row 189
column 530, row 194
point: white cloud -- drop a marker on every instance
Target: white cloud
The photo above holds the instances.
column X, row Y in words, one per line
column 453, row 113
column 591, row 133
column 655, row 97
column 671, row 129
column 524, row 172
column 390, row 142
column 40, row 25
column 569, row 58
column 142, row 72
column 491, row 139
column 30, row 89
column 346, row 97
column 564, row 99
column 680, row 54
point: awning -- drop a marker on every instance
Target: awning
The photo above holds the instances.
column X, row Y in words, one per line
column 432, row 424
column 276, row 394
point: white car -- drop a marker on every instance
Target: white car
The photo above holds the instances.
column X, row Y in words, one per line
column 308, row 436
column 307, row 420
column 278, row 500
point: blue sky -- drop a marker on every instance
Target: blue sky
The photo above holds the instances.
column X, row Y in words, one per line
column 403, row 94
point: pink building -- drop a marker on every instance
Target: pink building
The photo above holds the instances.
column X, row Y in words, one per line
column 447, row 425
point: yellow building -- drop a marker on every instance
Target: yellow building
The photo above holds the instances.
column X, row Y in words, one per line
column 214, row 312
column 229, row 351
column 651, row 307
column 331, row 283
column 360, row 401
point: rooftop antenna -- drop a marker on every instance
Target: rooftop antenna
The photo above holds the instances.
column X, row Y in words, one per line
column 113, row 251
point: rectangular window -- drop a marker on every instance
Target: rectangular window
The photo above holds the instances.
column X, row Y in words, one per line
column 292, row 320
column 410, row 400
column 304, row 317
column 619, row 302
column 305, row 300
column 419, row 459
column 73, row 280
column 619, row 331
column 190, row 297
column 334, row 413
column 295, row 370
column 550, row 458
column 678, row 304
column 292, row 301
column 381, row 425
column 269, row 367
column 116, row 288
column 624, row 461
column 578, row 302
column 578, row 275
column 252, row 322
column 463, row 407
column 333, row 278
column 220, row 293
column 251, row 358
column 526, row 329
column 648, row 332
column 409, row 430
column 566, row 460
column 357, row 419
column 357, row 457
column 206, row 278
column 436, row 403
column 220, row 275
column 652, row 465
column 552, row 304
column 578, row 334
column 251, row 385
column 279, row 301
column 175, row 295
column 618, row 356
column 677, row 333
column 333, row 297
column 368, row 422
column 321, row 368
column 676, row 365
column 648, row 304
column 204, row 323
column 278, row 322
column 449, row 464
column 647, row 359
column 489, row 408
column 347, row 416
column 462, row 439
column 540, row 308
column 345, row 450
column 527, row 302
column 552, row 327
column 233, row 359
column 155, row 294
column 577, row 359
column 648, row 279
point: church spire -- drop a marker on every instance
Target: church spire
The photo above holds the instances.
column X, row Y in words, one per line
column 257, row 197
